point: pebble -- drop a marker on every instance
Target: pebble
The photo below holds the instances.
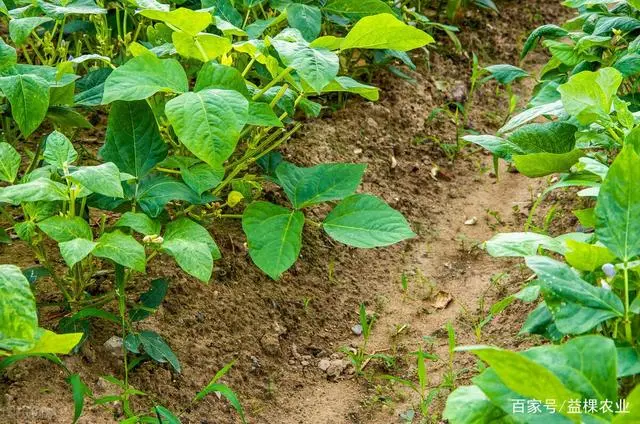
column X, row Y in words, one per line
column 324, row 364
column 114, row 345
column 357, row 329
column 371, row 123
column 471, row 221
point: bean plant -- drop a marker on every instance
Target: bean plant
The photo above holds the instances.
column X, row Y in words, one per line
column 198, row 98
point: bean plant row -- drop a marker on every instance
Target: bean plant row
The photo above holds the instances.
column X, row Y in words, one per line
column 582, row 123
column 198, row 98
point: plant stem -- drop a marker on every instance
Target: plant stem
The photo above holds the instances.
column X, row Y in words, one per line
column 627, row 321
column 273, row 82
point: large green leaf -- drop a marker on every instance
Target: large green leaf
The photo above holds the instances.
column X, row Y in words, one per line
column 385, row 31
column 61, row 228
column 142, row 77
column 73, row 251
column 59, row 151
column 519, row 244
column 305, row 18
column 156, row 190
column 357, row 9
column 550, row 137
column 215, row 75
column 320, row 183
column 139, row 222
column 133, row 140
column 317, row 67
column 121, row 249
column 8, row 55
column 102, row 179
column 50, row 342
column 468, row 404
column 192, row 247
column 33, row 191
column 209, row 122
column 587, row 257
column 576, row 305
column 21, row 28
column 190, row 21
column 350, row 85
column 543, row 31
column 9, row 162
column 588, row 95
column 363, row 220
column 19, row 320
column 540, row 164
column 618, row 207
column 59, row 9
column 506, row 74
column 29, row 99
column 203, row 47
column 274, row 236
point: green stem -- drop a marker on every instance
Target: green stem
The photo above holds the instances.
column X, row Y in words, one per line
column 627, row 320
column 273, row 82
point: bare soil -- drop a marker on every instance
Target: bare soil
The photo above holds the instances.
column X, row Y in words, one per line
column 279, row 331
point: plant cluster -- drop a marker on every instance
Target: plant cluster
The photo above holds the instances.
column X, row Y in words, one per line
column 199, row 97
column 582, row 124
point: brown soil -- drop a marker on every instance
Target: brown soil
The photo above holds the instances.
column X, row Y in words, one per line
column 265, row 325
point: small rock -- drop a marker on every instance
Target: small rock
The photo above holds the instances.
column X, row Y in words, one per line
column 324, row 364
column 471, row 221
column 357, row 329
column 114, row 345
column 371, row 123
column 441, row 300
column 304, row 363
column 357, row 151
column 336, row 367
column 394, row 162
column 270, row 344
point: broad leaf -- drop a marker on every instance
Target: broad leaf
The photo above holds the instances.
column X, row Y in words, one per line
column 506, row 74
column 305, row 18
column 190, row 21
column 154, row 346
column 29, row 99
column 9, row 162
column 203, row 47
column 618, row 207
column 102, row 179
column 541, row 164
column 139, row 222
column 215, row 75
column 357, row 9
column 133, row 140
column 21, row 28
column 349, row 85
column 587, row 257
column 588, row 95
column 209, row 122
column 385, row 31
column 142, row 77
column 156, row 190
column 121, row 249
column 33, row 191
column 365, row 221
column 59, row 9
column 274, row 236
column 62, row 228
column 50, row 342
column 320, row 183
column 59, row 151
column 150, row 300
column 19, row 320
column 73, row 251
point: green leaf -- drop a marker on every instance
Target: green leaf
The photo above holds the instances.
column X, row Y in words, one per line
column 203, row 47
column 50, row 342
column 121, row 249
column 62, row 228
column 154, row 346
column 274, row 236
column 58, row 9
column 102, row 179
column 29, row 99
column 317, row 67
column 261, row 115
column 506, row 74
column 79, row 391
column 576, row 305
column 588, row 95
column 549, row 137
column 190, row 21
column 225, row 391
column 500, row 147
column 346, row 84
column 215, row 75
column 8, row 55
column 554, row 109
column 34, row 191
column 73, row 251
column 133, row 140
column 618, row 207
column 633, row 406
column 553, row 31
column 519, row 244
column 587, row 257
column 209, row 122
column 150, row 300
column 139, row 222
column 468, row 404
column 541, row 164
column 305, row 18
column 156, row 190
column 320, row 183
column 59, row 151
column 515, row 371
column 365, row 221
column 357, row 9
column 21, row 28
column 9, row 162
column 192, row 247
column 165, row 416
column 19, row 320
column 385, row 31
column 142, row 77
